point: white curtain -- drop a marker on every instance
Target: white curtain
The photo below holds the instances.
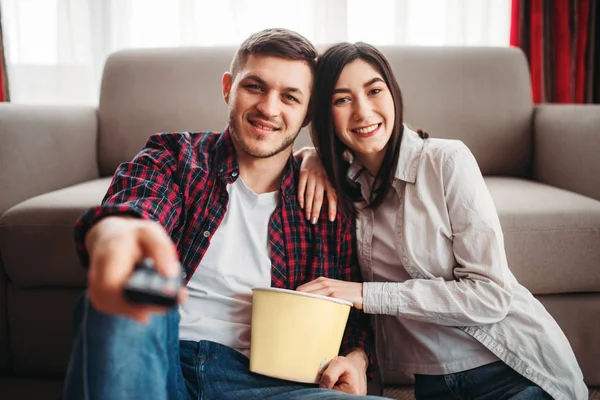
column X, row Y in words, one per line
column 56, row 49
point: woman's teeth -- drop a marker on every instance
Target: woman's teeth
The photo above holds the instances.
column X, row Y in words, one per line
column 368, row 129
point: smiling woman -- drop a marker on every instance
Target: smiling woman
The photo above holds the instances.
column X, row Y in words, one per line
column 430, row 247
column 364, row 112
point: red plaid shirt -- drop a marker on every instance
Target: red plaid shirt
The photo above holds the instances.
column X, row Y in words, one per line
column 180, row 180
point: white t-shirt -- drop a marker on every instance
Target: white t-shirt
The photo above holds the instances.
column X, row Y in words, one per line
column 219, row 307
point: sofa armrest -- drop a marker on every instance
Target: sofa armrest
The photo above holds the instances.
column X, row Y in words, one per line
column 44, row 148
column 566, row 143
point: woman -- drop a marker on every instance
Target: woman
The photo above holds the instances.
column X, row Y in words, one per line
column 430, row 247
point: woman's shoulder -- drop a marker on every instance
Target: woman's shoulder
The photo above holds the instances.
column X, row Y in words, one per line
column 439, row 151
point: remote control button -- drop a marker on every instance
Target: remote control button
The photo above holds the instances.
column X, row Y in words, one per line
column 137, row 279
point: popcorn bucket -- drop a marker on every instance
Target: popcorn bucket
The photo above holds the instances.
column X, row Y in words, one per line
column 294, row 334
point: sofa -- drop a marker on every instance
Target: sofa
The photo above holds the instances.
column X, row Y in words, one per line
column 541, row 164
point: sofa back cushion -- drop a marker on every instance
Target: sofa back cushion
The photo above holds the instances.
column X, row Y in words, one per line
column 479, row 95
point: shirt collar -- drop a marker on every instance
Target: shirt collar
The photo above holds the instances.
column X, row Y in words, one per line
column 411, row 149
column 225, row 161
column 226, row 165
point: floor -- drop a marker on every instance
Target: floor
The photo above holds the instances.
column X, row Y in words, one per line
column 405, row 393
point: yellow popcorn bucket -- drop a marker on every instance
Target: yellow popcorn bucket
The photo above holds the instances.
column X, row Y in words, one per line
column 295, row 334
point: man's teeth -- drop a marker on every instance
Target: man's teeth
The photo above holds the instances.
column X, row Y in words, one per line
column 366, row 130
column 262, row 127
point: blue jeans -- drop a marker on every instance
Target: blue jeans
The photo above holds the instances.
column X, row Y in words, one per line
column 117, row 358
column 495, row 381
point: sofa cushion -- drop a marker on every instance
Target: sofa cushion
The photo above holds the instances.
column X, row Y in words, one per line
column 552, row 236
column 36, row 236
column 481, row 95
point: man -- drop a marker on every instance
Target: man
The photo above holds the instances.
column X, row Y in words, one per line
column 225, row 207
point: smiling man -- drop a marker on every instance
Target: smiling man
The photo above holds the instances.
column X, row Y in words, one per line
column 266, row 116
column 224, row 207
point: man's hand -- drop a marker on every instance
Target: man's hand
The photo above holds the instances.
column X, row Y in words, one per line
column 313, row 184
column 349, row 291
column 115, row 245
column 347, row 373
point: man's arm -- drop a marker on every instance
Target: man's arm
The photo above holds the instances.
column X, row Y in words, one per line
column 347, row 374
column 133, row 222
column 144, row 188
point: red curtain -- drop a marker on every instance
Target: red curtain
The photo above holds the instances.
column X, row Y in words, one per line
column 558, row 38
column 4, row 96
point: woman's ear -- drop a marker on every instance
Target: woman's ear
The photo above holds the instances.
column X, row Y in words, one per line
column 226, row 82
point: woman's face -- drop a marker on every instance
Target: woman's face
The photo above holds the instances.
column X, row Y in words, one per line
column 363, row 111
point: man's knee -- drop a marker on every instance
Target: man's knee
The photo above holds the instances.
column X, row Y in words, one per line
column 108, row 327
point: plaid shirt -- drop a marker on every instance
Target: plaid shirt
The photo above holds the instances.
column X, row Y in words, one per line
column 180, row 180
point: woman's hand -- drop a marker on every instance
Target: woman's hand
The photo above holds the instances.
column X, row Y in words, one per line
column 313, row 184
column 349, row 291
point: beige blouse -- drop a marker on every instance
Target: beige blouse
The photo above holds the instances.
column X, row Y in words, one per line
column 427, row 348
column 449, row 240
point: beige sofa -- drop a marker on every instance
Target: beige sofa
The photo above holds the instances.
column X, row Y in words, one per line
column 541, row 163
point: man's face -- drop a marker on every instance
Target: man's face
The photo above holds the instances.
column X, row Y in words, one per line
column 268, row 102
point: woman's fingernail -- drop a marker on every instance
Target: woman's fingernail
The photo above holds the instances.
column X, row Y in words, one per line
column 314, row 221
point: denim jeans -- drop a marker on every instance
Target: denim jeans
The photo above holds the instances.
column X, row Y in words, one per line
column 117, row 358
column 495, row 381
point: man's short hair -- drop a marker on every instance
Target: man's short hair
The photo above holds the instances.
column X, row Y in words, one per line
column 277, row 42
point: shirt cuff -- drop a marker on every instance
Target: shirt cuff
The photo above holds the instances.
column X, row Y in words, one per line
column 91, row 217
column 382, row 298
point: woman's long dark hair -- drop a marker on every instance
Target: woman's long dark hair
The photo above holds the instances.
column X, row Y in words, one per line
column 324, row 137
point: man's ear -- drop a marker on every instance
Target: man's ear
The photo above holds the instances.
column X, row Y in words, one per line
column 226, row 82
column 306, row 120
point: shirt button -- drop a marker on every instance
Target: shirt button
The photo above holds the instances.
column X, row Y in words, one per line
column 405, row 260
column 528, row 370
column 234, row 174
column 206, row 234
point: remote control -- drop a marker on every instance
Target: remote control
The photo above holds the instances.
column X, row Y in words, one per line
column 147, row 286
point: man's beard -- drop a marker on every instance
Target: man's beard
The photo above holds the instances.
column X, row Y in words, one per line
column 287, row 142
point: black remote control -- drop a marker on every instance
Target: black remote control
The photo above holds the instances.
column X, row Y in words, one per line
column 147, row 286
